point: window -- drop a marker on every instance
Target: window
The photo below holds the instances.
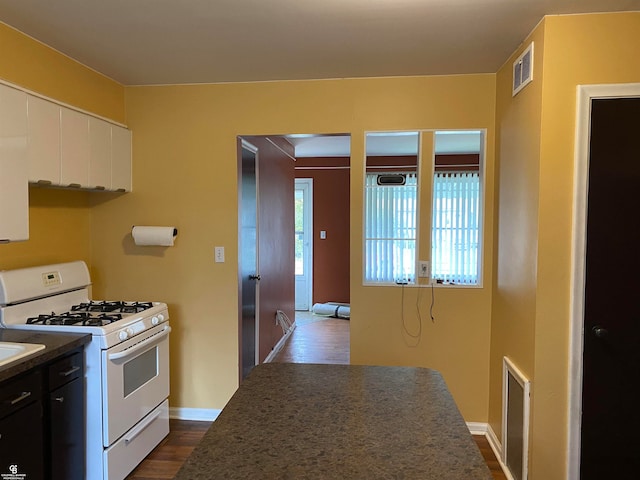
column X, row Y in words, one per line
column 455, row 227
column 390, row 228
column 392, row 223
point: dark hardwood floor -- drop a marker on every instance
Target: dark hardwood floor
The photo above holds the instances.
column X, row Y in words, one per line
column 313, row 341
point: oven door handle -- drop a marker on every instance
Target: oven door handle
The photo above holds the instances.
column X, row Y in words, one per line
column 139, row 346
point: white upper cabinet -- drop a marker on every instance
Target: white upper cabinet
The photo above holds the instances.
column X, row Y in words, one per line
column 74, row 149
column 14, row 187
column 120, row 159
column 99, row 154
column 43, row 147
column 71, row 149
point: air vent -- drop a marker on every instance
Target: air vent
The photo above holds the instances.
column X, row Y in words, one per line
column 391, row 179
column 523, row 70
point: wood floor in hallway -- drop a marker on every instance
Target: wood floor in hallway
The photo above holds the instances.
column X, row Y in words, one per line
column 314, row 340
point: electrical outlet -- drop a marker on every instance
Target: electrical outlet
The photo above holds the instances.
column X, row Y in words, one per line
column 423, row 269
column 219, row 254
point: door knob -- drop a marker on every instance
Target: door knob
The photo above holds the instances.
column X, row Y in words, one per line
column 254, row 277
column 600, row 332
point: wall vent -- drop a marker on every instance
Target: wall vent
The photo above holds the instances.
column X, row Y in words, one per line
column 391, row 179
column 523, row 70
column 515, row 420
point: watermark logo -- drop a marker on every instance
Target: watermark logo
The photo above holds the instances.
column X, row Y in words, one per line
column 13, row 474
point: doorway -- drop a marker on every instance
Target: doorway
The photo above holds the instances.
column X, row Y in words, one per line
column 303, row 199
column 248, row 257
column 603, row 441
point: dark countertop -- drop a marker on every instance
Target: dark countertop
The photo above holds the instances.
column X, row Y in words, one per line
column 300, row 421
column 56, row 344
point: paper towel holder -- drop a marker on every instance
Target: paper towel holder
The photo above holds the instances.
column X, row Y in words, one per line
column 154, row 235
column 175, row 230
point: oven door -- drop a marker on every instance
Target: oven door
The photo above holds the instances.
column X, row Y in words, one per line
column 135, row 380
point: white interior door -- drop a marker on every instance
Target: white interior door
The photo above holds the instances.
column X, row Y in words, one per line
column 303, row 195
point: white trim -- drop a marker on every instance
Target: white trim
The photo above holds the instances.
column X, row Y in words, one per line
column 195, row 414
column 584, row 95
column 509, row 367
column 477, row 428
column 275, row 350
column 496, row 446
column 306, row 185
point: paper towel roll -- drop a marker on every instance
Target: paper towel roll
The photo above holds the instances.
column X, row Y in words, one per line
column 162, row 236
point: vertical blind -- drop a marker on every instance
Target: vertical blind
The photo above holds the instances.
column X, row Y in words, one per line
column 390, row 230
column 455, row 233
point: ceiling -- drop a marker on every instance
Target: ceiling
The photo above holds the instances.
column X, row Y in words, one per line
column 386, row 143
column 153, row 42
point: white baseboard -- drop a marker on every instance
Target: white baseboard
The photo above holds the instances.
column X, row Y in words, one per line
column 477, row 428
column 196, row 414
column 496, row 446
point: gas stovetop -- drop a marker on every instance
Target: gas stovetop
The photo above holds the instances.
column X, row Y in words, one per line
column 92, row 313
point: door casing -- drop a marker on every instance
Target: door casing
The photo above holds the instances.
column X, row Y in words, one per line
column 585, row 94
column 306, row 184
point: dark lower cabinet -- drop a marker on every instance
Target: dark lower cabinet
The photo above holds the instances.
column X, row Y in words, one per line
column 21, row 433
column 66, row 419
column 42, row 429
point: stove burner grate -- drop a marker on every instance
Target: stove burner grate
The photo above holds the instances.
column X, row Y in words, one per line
column 61, row 319
column 115, row 306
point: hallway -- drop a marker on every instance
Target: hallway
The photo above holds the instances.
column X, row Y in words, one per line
column 317, row 339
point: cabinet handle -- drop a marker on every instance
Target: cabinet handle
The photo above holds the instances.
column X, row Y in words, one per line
column 59, row 399
column 44, row 182
column 74, row 185
column 20, row 398
column 70, row 371
column 100, row 187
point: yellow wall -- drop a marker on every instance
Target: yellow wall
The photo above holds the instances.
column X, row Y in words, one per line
column 59, row 220
column 185, row 175
column 518, row 131
column 581, row 49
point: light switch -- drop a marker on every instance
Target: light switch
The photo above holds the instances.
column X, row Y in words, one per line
column 323, row 234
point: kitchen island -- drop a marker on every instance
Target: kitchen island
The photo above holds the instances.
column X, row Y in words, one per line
column 301, row 421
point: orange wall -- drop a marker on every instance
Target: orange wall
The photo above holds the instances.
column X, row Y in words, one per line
column 331, row 214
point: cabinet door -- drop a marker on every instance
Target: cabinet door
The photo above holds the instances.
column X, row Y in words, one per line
column 120, row 159
column 99, row 154
column 14, row 188
column 74, row 148
column 67, row 431
column 21, row 446
column 43, row 146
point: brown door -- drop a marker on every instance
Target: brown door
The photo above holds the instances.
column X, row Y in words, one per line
column 248, row 256
column 611, row 356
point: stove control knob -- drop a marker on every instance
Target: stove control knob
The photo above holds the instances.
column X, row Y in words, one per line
column 130, row 332
column 160, row 318
column 155, row 320
column 123, row 335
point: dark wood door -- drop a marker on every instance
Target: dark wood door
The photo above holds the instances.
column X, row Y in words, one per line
column 248, row 257
column 611, row 355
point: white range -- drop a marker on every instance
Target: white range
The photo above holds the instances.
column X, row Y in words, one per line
column 127, row 360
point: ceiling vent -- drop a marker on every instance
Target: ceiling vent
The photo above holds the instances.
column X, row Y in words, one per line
column 523, row 70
